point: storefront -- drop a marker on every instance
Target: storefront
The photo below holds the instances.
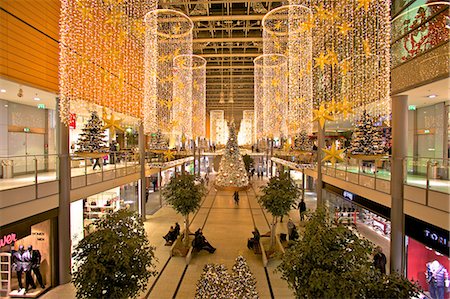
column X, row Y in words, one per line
column 85, row 213
column 427, row 246
column 27, row 249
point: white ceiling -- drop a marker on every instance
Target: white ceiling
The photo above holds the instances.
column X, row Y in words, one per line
column 419, row 96
column 28, row 94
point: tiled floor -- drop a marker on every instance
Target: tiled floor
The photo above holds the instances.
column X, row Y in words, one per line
column 227, row 227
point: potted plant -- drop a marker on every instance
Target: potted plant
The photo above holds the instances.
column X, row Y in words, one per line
column 278, row 197
column 116, row 260
column 184, row 193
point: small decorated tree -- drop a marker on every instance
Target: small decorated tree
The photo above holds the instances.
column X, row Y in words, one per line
column 340, row 267
column 184, row 193
column 243, row 283
column 302, row 142
column 214, row 283
column 278, row 197
column 158, row 141
column 367, row 139
column 232, row 168
column 116, row 260
column 92, row 138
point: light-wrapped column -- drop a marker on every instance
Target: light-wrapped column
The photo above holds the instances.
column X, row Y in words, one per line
column 259, row 97
column 101, row 55
column 285, row 32
column 181, row 114
column 198, row 96
column 168, row 34
column 216, row 118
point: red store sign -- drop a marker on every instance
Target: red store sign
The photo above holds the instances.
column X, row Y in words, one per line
column 8, row 239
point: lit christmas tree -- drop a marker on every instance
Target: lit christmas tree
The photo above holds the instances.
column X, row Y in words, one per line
column 302, row 142
column 92, row 138
column 158, row 141
column 367, row 139
column 214, row 283
column 232, row 169
column 243, row 283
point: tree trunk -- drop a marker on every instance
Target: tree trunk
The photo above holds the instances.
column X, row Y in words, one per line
column 186, row 230
column 273, row 231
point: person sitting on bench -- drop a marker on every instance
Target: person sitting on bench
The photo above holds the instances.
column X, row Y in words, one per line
column 294, row 234
column 200, row 242
column 176, row 230
column 170, row 236
column 252, row 242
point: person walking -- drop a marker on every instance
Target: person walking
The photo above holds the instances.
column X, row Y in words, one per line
column 236, row 197
column 302, row 209
column 379, row 260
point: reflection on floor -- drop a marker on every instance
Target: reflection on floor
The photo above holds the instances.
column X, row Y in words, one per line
column 227, row 227
column 29, row 179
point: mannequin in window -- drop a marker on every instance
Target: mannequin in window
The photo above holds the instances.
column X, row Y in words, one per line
column 26, row 260
column 17, row 264
column 36, row 265
column 437, row 278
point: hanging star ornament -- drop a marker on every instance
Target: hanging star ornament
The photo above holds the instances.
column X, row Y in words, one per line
column 345, row 67
column 333, row 155
column 364, row 3
column 321, row 60
column 346, row 108
column 111, row 123
column 322, row 115
column 344, row 28
column 168, row 155
column 332, row 57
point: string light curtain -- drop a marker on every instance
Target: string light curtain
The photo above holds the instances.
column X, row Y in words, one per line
column 218, row 127
column 198, row 96
column 275, row 94
column 181, row 114
column 245, row 135
column 259, row 97
column 102, row 55
column 351, row 54
column 285, row 31
column 168, row 34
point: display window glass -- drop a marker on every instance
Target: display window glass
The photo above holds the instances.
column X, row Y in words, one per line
column 428, row 267
column 26, row 263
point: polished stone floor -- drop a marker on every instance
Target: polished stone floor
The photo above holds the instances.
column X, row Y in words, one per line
column 227, row 227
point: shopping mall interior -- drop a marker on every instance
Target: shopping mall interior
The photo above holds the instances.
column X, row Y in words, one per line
column 103, row 103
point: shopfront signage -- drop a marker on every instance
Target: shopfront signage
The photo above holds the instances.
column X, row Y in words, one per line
column 26, row 130
column 348, row 195
column 435, row 237
column 8, row 239
column 73, row 121
column 41, row 106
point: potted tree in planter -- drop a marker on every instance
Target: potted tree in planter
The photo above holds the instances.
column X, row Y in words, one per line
column 184, row 193
column 278, row 197
column 331, row 261
column 116, row 260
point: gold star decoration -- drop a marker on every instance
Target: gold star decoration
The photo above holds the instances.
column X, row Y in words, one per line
column 308, row 24
column 366, row 47
column 275, row 82
column 333, row 107
column 345, row 66
column 346, row 107
column 344, row 28
column 111, row 123
column 321, row 12
column 321, row 115
column 333, row 155
column 363, row 3
column 332, row 57
column 168, row 155
column 321, row 61
column 333, row 16
column 176, row 29
column 278, row 25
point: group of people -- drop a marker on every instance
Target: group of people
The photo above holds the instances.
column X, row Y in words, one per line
column 173, row 233
column 27, row 261
column 200, row 242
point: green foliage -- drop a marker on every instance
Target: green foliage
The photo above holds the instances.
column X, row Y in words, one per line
column 248, row 161
column 279, row 195
column 332, row 262
column 116, row 260
column 184, row 193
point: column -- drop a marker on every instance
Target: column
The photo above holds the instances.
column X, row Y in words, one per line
column 320, row 145
column 159, row 186
column 141, row 143
column 399, row 152
column 64, row 239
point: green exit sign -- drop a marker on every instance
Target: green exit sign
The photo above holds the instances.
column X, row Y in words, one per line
column 41, row 106
column 412, row 107
column 26, row 130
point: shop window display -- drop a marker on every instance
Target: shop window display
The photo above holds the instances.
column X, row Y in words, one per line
column 28, row 269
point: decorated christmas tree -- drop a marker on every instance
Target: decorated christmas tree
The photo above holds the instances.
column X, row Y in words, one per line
column 367, row 139
column 243, row 283
column 214, row 283
column 92, row 138
column 158, row 141
column 232, row 171
column 302, row 142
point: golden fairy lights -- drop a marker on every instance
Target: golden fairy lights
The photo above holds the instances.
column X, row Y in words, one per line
column 245, row 135
column 258, row 98
column 274, row 94
column 168, row 34
column 287, row 31
column 218, row 127
column 101, row 54
column 351, row 54
column 198, row 96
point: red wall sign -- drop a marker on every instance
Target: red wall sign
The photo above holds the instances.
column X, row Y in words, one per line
column 7, row 239
column 73, row 121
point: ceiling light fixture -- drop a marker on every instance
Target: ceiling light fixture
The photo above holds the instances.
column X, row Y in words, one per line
column 3, row 90
column 36, row 98
column 432, row 96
